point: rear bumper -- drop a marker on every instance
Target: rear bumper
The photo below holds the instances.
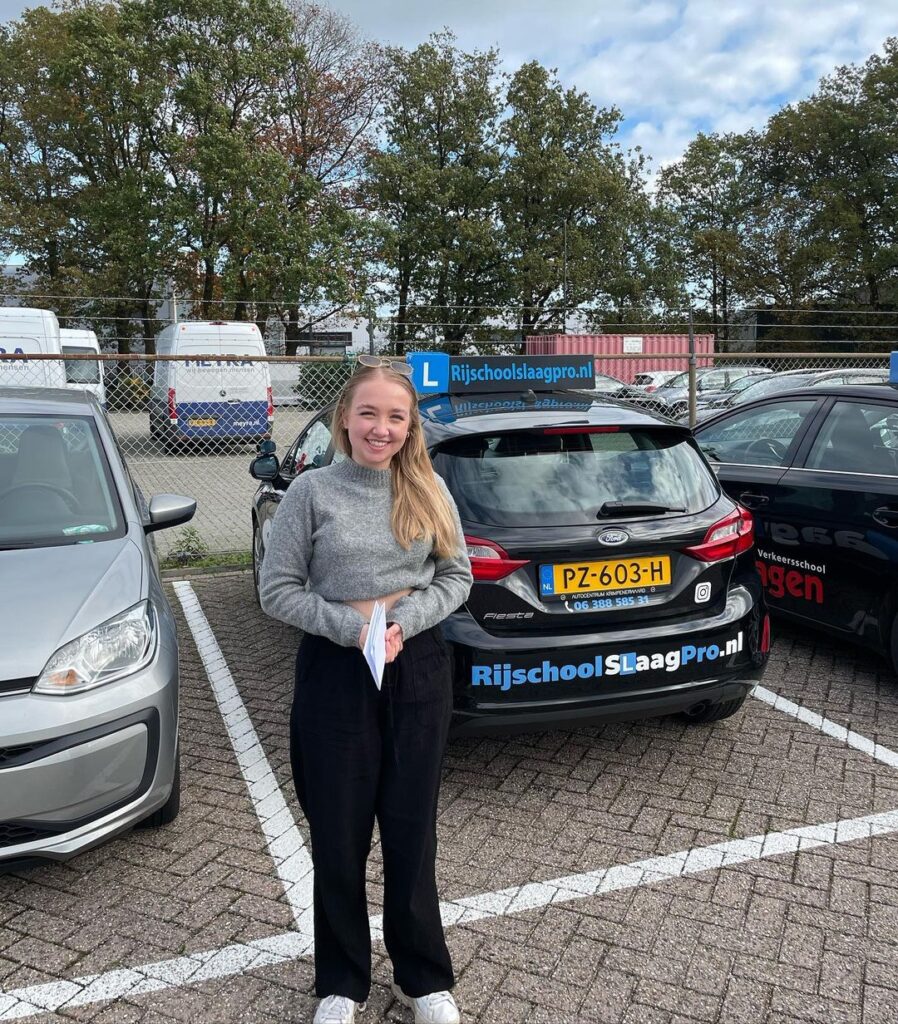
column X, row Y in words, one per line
column 516, row 683
column 578, row 714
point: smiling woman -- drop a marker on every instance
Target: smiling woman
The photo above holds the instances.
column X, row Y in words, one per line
column 374, row 534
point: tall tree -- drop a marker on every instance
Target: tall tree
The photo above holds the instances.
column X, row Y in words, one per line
column 435, row 185
column 572, row 204
column 705, row 189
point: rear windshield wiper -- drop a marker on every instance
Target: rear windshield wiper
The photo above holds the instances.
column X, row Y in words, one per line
column 635, row 508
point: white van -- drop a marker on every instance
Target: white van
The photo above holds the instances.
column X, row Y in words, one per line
column 209, row 397
column 25, row 332
column 83, row 374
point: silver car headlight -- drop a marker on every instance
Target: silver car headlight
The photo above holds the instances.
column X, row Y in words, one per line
column 118, row 647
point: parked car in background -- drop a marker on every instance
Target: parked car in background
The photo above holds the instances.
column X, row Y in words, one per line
column 613, row 578
column 708, row 380
column 610, row 387
column 651, row 380
column 83, row 374
column 787, row 380
column 89, row 656
column 818, row 467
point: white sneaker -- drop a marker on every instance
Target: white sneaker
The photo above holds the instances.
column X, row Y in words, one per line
column 435, row 1008
column 336, row 1010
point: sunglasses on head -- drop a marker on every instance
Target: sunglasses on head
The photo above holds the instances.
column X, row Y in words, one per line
column 387, row 362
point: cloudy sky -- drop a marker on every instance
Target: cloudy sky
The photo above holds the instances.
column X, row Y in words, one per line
column 674, row 67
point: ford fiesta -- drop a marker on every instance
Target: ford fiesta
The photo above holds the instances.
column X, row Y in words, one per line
column 89, row 653
column 613, row 577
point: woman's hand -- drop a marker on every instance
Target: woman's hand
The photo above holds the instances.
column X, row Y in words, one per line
column 363, row 636
column 393, row 641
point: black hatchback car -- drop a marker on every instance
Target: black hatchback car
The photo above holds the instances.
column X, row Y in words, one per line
column 613, row 577
column 818, row 467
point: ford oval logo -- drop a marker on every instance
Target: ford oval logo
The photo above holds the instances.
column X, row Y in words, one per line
column 612, row 537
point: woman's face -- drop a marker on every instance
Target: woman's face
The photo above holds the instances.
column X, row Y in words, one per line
column 377, row 421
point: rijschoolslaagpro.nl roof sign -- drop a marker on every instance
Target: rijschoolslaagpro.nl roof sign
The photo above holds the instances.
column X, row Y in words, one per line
column 438, row 373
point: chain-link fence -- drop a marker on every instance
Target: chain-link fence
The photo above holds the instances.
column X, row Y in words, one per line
column 191, row 425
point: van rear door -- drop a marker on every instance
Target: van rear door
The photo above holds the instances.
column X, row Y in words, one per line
column 216, row 397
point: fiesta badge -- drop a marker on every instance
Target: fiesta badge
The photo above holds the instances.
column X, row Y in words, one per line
column 611, row 537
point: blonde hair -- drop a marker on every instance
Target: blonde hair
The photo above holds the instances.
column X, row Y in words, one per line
column 420, row 508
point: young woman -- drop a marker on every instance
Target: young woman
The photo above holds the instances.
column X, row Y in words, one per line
column 379, row 525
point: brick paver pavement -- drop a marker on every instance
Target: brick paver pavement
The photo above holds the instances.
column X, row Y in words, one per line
column 803, row 937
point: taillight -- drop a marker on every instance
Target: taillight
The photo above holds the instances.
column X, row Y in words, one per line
column 726, row 538
column 270, row 404
column 651, row 387
column 765, row 635
column 489, row 561
column 172, row 409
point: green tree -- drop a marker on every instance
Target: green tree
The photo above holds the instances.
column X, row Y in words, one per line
column 833, row 162
column 435, row 187
column 706, row 190
column 573, row 206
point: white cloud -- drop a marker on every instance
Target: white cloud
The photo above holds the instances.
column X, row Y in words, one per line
column 673, row 68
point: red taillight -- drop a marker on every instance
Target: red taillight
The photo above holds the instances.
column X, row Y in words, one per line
column 270, row 404
column 765, row 635
column 489, row 561
column 726, row 538
column 581, row 430
column 172, row 408
column 651, row 387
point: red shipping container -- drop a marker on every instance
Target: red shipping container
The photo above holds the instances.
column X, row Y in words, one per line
column 607, row 347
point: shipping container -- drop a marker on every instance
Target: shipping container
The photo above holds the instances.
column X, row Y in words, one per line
column 642, row 352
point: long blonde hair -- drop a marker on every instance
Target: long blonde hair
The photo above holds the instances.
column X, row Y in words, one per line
column 420, row 508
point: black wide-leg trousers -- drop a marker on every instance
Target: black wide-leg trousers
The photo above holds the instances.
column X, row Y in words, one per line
column 359, row 753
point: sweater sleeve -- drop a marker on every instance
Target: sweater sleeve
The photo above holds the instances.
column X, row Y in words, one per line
column 448, row 589
column 283, row 589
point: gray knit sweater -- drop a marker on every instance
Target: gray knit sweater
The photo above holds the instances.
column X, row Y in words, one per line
column 331, row 542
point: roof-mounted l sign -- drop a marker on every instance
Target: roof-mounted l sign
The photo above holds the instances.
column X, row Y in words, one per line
column 438, row 373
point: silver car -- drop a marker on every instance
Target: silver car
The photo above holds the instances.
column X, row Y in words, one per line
column 88, row 647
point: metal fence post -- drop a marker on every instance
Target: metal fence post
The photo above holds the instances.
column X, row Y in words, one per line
column 692, row 415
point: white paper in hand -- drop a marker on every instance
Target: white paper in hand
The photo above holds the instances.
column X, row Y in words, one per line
column 375, row 649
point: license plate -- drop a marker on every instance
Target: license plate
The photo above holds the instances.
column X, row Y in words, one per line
column 618, row 574
column 208, row 421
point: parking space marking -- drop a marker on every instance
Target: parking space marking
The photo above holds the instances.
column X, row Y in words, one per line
column 285, row 842
column 825, row 725
column 293, row 863
column 175, row 973
column 236, row 959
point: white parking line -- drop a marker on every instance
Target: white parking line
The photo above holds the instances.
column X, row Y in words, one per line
column 285, row 843
column 241, row 957
column 294, row 867
column 838, row 732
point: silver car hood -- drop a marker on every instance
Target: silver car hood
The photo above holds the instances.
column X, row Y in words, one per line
column 50, row 596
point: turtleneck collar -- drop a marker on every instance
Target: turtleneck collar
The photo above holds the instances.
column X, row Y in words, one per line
column 376, row 479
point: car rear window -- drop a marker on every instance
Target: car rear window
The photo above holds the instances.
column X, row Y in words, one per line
column 55, row 484
column 539, row 477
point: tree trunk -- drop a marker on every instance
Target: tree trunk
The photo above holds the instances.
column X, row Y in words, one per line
column 146, row 317
column 208, row 285
column 405, row 276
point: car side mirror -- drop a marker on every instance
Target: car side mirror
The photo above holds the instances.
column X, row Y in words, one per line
column 167, row 510
column 265, row 467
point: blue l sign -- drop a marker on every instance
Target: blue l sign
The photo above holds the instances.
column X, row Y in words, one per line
column 430, row 372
